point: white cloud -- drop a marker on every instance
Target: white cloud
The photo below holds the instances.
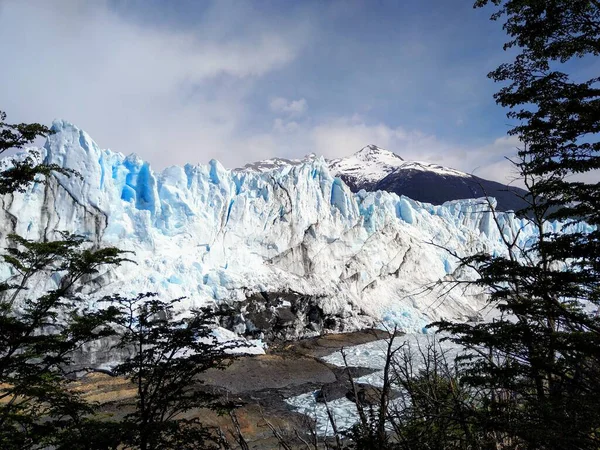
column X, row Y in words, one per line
column 184, row 95
column 283, row 126
column 171, row 95
column 291, row 107
column 345, row 135
column 342, row 136
column 490, row 161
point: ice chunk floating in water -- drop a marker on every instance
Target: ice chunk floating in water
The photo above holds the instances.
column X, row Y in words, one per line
column 371, row 355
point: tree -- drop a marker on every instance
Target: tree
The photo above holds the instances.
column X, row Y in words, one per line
column 39, row 331
column 541, row 358
column 168, row 355
column 422, row 403
column 21, row 172
column 434, row 409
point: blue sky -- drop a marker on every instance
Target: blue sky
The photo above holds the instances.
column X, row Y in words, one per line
column 187, row 81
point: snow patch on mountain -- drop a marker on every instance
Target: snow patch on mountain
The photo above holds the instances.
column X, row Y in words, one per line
column 372, row 163
column 369, row 164
column 267, row 165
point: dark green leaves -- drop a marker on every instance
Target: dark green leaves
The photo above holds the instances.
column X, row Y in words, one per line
column 39, row 335
column 24, row 170
column 168, row 355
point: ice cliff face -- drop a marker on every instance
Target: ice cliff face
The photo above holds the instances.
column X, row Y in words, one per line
column 215, row 235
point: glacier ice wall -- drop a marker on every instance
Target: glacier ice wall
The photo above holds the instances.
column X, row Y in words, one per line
column 214, row 235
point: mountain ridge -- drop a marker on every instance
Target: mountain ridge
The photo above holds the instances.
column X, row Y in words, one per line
column 373, row 168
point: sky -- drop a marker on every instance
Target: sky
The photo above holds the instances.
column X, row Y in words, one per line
column 239, row 81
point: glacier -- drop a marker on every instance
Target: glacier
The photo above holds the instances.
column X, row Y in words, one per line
column 217, row 236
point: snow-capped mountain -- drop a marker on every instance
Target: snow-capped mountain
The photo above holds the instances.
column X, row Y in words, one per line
column 368, row 165
column 371, row 164
column 215, row 235
column 373, row 168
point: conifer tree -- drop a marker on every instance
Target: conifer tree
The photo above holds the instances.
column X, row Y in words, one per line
column 39, row 334
column 540, row 359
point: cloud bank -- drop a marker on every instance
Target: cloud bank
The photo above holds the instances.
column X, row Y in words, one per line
column 236, row 84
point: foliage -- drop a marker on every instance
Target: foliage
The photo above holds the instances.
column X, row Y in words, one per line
column 530, row 378
column 435, row 409
column 540, row 359
column 19, row 135
column 426, row 404
column 168, row 355
column 38, row 335
column 22, row 171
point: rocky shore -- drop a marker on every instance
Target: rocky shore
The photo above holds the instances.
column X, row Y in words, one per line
column 259, row 384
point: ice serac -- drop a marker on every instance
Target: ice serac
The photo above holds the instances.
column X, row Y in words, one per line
column 215, row 235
